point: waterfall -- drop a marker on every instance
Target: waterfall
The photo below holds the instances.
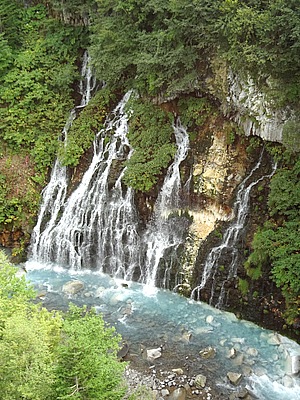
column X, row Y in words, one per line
column 97, row 226
column 162, row 232
column 54, row 194
column 230, row 237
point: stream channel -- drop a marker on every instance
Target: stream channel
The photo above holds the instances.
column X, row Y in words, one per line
column 153, row 317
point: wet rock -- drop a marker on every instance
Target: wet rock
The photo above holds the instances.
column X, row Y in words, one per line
column 287, row 381
column 178, row 394
column 208, row 352
column 73, row 287
column 178, row 371
column 234, row 377
column 274, row 339
column 231, row 353
column 123, row 350
column 99, row 291
column 151, row 354
column 252, row 352
column 200, row 381
column 238, row 360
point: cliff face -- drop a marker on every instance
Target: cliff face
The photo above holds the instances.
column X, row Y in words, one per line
column 243, row 101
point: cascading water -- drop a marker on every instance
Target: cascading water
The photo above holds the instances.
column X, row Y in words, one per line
column 231, row 236
column 97, row 225
column 162, row 233
column 54, row 193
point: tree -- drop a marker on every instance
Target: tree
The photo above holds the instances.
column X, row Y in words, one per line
column 50, row 355
column 87, row 366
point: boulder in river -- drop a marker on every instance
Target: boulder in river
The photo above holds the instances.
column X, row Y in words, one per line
column 234, row 377
column 178, row 394
column 73, row 287
column 208, row 352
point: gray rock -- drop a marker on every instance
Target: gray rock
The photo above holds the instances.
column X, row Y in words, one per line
column 231, row 353
column 73, row 287
column 200, row 381
column 208, row 352
column 252, row 352
column 165, row 392
column 178, row 394
column 234, row 377
column 178, row 371
column 153, row 354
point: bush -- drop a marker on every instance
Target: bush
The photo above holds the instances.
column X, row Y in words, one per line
column 49, row 355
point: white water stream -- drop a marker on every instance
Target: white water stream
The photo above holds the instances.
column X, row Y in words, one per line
column 162, row 234
column 230, row 238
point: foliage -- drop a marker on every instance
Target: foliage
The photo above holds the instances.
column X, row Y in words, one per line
column 243, row 286
column 194, row 111
column 291, row 135
column 37, row 69
column 278, row 242
column 15, row 292
column 151, row 46
column 87, row 359
column 84, row 128
column 263, row 38
column 36, row 92
column 49, row 355
column 151, row 136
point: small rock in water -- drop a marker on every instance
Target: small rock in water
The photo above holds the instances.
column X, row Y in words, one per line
column 73, row 287
column 208, row 352
column 274, row 339
column 234, row 377
column 231, row 353
column 99, row 291
column 252, row 352
column 178, row 371
column 151, row 354
column 287, row 381
column 209, row 319
column 165, row 392
column 200, row 381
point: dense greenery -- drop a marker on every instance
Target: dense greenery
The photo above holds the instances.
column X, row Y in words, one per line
column 84, row 128
column 167, row 47
column 37, row 70
column 278, row 242
column 151, row 136
column 50, row 355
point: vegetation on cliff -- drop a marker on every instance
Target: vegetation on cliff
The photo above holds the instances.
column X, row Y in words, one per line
column 277, row 243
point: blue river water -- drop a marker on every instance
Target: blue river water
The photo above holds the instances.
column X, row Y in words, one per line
column 153, row 317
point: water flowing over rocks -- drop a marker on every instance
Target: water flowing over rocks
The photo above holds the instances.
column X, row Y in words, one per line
column 262, row 360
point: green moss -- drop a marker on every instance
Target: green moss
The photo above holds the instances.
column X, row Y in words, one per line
column 243, row 286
